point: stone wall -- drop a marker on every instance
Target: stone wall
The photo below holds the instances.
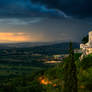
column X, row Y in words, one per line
column 86, row 48
column 90, row 39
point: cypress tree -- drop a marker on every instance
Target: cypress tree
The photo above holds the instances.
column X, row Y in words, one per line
column 70, row 74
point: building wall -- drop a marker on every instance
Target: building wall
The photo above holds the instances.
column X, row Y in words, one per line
column 87, row 48
column 90, row 39
column 88, row 51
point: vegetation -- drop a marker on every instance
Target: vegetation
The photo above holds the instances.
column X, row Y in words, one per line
column 84, row 73
column 23, row 72
column 70, row 73
column 85, row 39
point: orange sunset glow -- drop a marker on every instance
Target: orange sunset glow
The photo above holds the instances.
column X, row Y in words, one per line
column 6, row 37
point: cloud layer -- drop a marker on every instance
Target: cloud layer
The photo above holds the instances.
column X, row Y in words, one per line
column 19, row 22
column 47, row 8
column 26, row 8
column 76, row 8
column 46, row 20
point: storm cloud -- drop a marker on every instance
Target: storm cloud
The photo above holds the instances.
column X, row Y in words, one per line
column 46, row 20
column 47, row 8
column 75, row 8
column 27, row 8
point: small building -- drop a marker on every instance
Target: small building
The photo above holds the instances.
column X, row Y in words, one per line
column 77, row 51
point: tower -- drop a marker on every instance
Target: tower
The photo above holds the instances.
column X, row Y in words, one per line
column 90, row 39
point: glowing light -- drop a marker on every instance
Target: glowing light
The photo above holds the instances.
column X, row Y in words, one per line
column 6, row 37
column 45, row 81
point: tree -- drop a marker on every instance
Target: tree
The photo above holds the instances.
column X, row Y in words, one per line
column 85, row 39
column 70, row 74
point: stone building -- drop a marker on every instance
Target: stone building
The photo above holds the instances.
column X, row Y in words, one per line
column 87, row 48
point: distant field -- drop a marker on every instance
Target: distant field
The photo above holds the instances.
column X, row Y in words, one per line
column 14, row 71
column 21, row 61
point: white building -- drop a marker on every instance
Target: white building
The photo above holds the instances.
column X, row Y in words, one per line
column 87, row 48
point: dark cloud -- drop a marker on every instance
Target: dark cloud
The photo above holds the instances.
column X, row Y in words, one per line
column 47, row 8
column 25, row 8
column 76, row 8
column 47, row 20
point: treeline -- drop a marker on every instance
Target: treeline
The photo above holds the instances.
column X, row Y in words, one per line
column 61, row 48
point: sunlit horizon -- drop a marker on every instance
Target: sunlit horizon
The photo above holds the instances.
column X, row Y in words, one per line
column 14, row 37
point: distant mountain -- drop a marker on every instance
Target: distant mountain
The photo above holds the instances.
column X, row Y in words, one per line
column 25, row 44
column 63, row 45
column 56, row 48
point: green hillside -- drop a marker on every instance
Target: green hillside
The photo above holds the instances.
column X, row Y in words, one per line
column 52, row 79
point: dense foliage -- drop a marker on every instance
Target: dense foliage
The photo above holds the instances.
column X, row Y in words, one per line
column 22, row 75
column 29, row 82
column 85, row 39
column 70, row 73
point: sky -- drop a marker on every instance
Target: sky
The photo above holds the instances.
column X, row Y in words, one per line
column 44, row 20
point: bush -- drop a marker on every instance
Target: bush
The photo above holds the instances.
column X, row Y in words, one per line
column 86, row 62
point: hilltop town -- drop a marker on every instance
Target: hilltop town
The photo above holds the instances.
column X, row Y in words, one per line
column 87, row 47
